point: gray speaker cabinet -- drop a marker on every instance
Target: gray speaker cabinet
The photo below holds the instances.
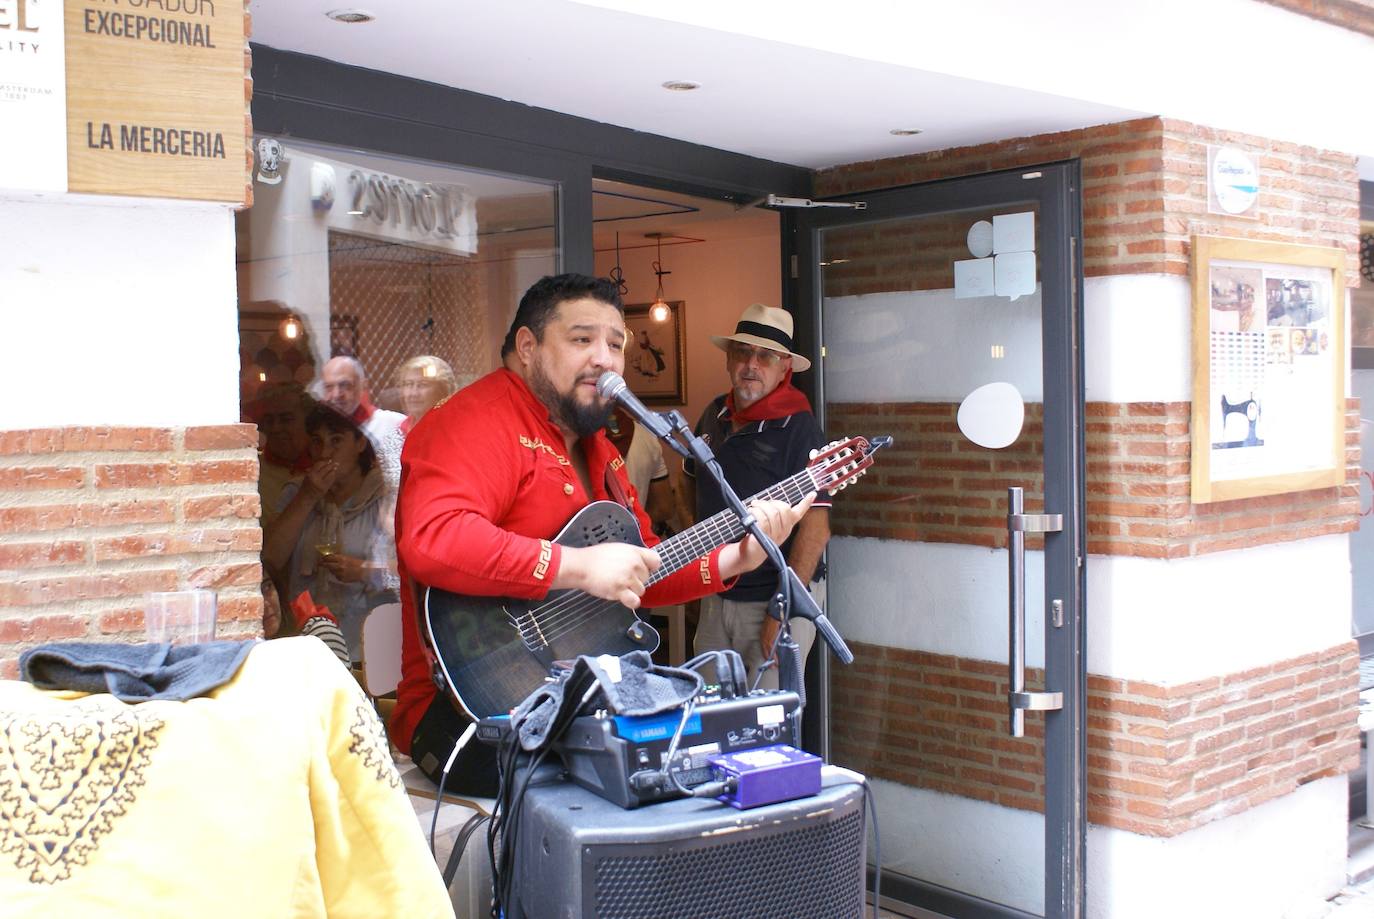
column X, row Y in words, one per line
column 582, row 856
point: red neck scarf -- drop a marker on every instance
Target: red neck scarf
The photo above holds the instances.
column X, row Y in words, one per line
column 302, row 463
column 781, row 402
column 364, row 411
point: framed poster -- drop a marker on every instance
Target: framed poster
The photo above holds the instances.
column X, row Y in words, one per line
column 1268, row 368
column 655, row 354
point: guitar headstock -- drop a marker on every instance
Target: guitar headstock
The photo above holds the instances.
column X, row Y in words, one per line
column 840, row 462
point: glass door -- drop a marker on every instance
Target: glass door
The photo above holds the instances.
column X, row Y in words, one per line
column 948, row 316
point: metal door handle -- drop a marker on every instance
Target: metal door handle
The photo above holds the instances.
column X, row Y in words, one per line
column 1018, row 525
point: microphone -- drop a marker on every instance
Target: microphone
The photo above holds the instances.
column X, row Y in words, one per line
column 612, row 386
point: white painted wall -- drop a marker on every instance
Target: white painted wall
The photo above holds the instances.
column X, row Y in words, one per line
column 1181, row 620
column 1137, row 338
column 117, row 311
column 987, row 850
column 1280, row 860
column 1160, row 621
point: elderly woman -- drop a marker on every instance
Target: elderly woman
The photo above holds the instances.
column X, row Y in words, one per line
column 424, row 382
column 328, row 538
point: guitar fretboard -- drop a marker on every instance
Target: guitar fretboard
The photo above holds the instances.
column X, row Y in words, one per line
column 724, row 527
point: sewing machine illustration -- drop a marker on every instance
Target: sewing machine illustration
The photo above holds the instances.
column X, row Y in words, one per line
column 1250, row 408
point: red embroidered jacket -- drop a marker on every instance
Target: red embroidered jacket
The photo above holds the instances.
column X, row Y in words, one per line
column 485, row 485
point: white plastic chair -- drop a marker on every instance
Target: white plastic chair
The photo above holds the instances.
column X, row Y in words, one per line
column 381, row 651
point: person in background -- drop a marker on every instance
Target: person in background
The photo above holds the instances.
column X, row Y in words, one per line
column 648, row 474
column 492, row 475
column 304, row 618
column 424, row 382
column 325, row 536
column 761, row 431
column 647, row 471
column 280, row 411
column 344, row 386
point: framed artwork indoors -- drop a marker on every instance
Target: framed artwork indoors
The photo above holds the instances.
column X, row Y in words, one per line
column 655, row 354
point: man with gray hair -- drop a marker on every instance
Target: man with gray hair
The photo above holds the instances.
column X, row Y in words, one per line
column 343, row 385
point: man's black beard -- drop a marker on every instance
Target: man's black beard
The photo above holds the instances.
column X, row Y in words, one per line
column 582, row 420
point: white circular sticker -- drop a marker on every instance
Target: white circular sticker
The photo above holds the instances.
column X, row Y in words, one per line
column 1235, row 180
column 992, row 415
column 980, row 239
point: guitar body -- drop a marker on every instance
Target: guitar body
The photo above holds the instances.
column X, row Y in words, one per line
column 494, row 651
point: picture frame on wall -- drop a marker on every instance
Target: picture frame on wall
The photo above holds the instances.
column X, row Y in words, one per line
column 655, row 354
column 343, row 335
column 1268, row 368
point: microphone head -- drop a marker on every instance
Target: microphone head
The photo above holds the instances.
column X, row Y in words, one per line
column 609, row 384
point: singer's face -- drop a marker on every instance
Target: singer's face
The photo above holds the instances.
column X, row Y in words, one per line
column 584, row 339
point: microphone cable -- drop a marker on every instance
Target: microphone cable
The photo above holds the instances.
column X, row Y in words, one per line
column 443, row 779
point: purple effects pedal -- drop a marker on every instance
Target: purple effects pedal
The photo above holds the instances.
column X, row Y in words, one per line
column 767, row 775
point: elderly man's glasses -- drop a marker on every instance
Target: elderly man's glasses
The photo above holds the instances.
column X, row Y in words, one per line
column 744, row 354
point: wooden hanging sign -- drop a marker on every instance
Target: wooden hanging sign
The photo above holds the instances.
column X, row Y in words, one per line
column 155, row 98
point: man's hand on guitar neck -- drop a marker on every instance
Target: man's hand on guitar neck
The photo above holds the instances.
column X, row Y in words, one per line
column 612, row 571
column 620, row 572
column 776, row 519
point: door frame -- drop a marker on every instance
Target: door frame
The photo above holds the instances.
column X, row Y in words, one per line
column 1057, row 189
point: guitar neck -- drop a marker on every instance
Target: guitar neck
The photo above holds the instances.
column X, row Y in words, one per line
column 724, row 527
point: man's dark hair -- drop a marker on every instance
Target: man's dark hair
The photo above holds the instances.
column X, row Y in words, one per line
column 324, row 416
column 538, row 304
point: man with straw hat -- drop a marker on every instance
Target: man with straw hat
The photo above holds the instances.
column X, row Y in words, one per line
column 762, row 431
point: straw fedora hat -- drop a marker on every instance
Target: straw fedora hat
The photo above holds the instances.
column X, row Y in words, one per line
column 764, row 327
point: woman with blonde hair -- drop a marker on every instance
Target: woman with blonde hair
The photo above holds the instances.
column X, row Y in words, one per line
column 424, row 382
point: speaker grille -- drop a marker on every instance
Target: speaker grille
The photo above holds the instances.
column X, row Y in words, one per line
column 809, row 873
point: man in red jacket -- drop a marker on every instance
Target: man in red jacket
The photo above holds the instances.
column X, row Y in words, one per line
column 492, row 474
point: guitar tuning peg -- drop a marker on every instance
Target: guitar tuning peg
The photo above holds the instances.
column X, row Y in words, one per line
column 813, row 454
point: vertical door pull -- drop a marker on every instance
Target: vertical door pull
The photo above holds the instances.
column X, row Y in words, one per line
column 1018, row 525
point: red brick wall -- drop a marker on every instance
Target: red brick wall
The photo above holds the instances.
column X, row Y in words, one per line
column 1145, row 191
column 933, row 485
column 1355, row 15
column 1144, row 195
column 1161, row 759
column 91, row 518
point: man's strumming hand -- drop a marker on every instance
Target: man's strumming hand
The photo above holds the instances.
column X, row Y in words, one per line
column 612, row 571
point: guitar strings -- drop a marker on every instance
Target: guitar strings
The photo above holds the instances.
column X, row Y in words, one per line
column 557, row 619
column 562, row 616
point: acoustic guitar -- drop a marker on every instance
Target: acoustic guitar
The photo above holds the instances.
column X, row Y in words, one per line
column 495, row 651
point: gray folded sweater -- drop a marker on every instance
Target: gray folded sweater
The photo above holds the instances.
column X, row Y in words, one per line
column 134, row 673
